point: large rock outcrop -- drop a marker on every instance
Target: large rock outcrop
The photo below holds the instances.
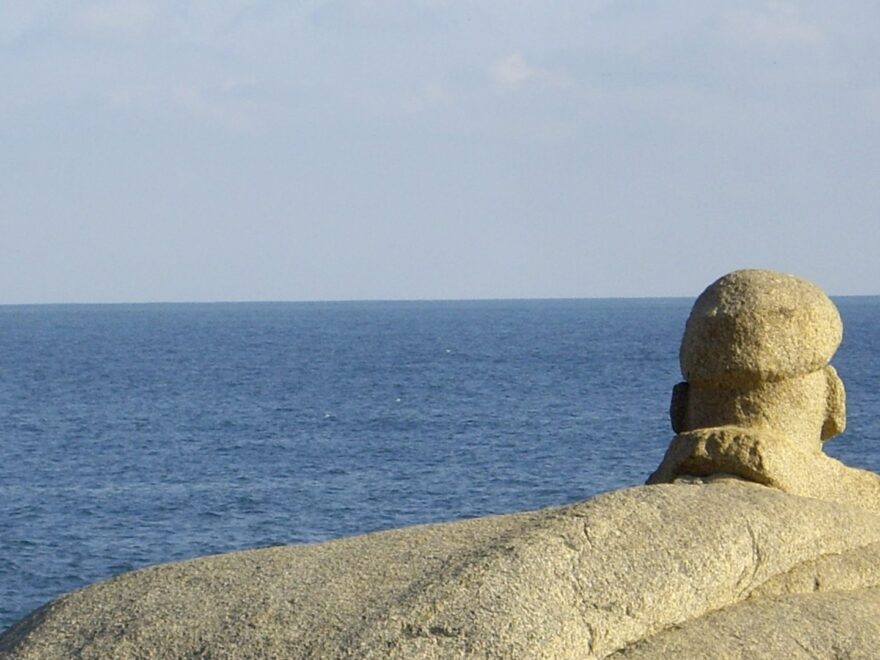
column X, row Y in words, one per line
column 749, row 551
column 630, row 572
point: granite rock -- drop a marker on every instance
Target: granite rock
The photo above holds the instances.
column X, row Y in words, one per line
column 582, row 581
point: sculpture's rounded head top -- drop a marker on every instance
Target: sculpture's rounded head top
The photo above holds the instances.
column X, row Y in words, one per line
column 759, row 325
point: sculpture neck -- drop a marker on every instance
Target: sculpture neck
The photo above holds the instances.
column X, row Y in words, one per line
column 795, row 407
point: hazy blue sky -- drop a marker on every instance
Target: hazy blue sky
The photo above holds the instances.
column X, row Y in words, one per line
column 345, row 149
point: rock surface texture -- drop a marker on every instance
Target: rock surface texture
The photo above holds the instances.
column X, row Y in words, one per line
column 760, row 546
column 646, row 571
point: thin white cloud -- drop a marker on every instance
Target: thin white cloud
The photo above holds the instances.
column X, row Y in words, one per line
column 115, row 16
column 512, row 73
column 430, row 94
column 234, row 104
column 777, row 24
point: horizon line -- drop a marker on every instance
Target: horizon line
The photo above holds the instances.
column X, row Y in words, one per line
column 277, row 301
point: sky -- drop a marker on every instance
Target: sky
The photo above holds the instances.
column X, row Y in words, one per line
column 225, row 150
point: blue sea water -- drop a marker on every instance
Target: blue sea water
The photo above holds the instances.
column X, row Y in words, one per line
column 137, row 434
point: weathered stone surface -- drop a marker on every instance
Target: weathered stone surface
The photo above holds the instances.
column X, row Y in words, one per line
column 770, row 458
column 759, row 325
column 822, row 625
column 581, row 581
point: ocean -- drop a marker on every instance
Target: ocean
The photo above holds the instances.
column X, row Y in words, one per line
column 138, row 434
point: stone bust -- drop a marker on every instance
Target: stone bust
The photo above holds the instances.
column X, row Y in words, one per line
column 760, row 397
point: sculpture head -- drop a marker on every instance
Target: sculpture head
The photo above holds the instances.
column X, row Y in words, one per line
column 755, row 354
